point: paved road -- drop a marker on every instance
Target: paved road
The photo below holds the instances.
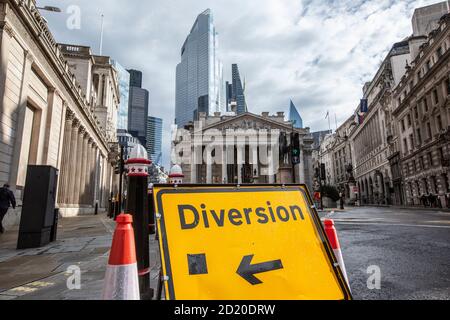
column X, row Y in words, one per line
column 410, row 246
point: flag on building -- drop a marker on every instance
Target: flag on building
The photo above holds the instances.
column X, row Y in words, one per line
column 364, row 106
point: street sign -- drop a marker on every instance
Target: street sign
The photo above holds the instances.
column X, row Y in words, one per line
column 237, row 243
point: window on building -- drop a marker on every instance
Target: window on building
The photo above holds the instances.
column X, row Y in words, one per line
column 441, row 155
column 429, row 130
column 419, row 137
column 416, row 113
column 425, row 104
column 421, row 164
column 405, row 145
column 439, row 122
column 408, row 117
column 447, row 87
column 403, row 125
column 428, row 66
column 435, row 97
column 440, row 52
column 430, row 159
column 411, row 142
column 445, row 182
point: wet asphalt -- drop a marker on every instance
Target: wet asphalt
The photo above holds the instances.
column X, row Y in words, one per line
column 410, row 248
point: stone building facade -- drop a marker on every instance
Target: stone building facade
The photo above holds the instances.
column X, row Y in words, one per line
column 46, row 117
column 231, row 150
column 421, row 106
column 370, row 147
column 326, row 157
column 398, row 147
column 343, row 161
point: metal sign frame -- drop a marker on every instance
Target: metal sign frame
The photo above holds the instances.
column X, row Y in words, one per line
column 217, row 188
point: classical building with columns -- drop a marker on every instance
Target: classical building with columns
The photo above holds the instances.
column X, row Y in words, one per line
column 49, row 117
column 242, row 149
column 368, row 138
column 421, row 107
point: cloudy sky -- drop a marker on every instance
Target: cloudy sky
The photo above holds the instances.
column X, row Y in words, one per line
column 316, row 52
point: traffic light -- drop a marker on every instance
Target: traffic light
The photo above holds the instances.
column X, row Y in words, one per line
column 119, row 168
column 295, row 148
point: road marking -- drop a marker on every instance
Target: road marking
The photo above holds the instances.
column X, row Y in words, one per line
column 392, row 224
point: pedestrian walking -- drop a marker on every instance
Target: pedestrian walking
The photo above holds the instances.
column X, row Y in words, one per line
column 423, row 200
column 7, row 200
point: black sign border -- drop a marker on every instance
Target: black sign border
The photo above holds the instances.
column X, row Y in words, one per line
column 210, row 188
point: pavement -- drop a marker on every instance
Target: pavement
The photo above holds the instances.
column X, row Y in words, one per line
column 43, row 273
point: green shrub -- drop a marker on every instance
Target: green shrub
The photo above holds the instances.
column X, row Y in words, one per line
column 331, row 192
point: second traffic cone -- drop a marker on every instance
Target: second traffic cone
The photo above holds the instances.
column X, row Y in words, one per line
column 330, row 230
column 121, row 279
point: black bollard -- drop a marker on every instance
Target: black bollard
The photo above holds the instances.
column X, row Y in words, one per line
column 151, row 210
column 137, row 206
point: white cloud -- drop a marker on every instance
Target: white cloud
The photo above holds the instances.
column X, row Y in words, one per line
column 317, row 52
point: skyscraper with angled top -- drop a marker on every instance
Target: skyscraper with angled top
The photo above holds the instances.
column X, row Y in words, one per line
column 295, row 117
column 199, row 75
column 238, row 90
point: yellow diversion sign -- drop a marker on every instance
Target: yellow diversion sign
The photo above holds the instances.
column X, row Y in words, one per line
column 239, row 243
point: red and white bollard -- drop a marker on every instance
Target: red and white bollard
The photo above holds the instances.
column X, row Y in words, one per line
column 330, row 230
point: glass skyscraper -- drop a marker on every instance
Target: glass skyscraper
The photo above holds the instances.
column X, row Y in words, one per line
column 199, row 75
column 154, row 139
column 238, row 90
column 295, row 117
column 124, row 89
column 138, row 107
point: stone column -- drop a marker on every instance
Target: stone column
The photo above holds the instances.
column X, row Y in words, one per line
column 301, row 166
column 65, row 168
column 87, row 171
column 82, row 194
column 240, row 159
column 49, row 119
column 224, row 165
column 77, row 167
column 92, row 175
column 208, row 167
column 72, row 162
column 194, row 164
column 6, row 33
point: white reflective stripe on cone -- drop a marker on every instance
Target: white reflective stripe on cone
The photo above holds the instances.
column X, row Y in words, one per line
column 121, row 283
column 340, row 258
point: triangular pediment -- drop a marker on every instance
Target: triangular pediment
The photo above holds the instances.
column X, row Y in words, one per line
column 249, row 121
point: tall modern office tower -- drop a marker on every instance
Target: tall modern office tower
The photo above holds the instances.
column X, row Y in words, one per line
column 199, row 75
column 238, row 90
column 295, row 117
column 135, row 78
column 138, row 107
column 124, row 89
column 154, row 139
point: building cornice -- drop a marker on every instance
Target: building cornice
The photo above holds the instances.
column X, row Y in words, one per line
column 38, row 29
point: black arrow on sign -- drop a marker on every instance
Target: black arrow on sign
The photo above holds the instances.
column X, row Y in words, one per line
column 247, row 270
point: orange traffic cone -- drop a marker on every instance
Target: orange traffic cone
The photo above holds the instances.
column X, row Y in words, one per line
column 121, row 279
column 330, row 230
